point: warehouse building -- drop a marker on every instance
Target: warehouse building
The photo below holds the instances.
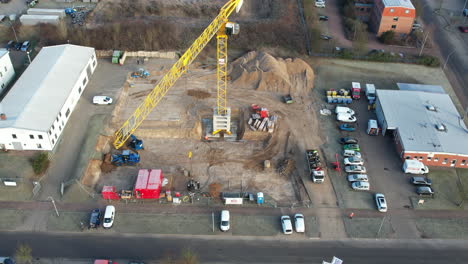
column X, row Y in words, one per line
column 425, row 125
column 6, row 70
column 37, row 108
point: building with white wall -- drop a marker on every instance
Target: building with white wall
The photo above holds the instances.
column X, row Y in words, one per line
column 6, row 70
column 35, row 111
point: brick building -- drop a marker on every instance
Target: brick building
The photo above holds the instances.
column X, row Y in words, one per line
column 396, row 15
column 363, row 9
column 425, row 126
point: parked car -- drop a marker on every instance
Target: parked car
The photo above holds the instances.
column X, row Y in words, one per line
column 425, row 191
column 353, row 161
column 381, row 202
column 18, row 45
column 10, row 45
column 358, row 177
column 286, row 225
column 25, row 46
column 95, row 219
column 354, row 147
column 6, row 260
column 299, row 223
column 102, row 100
column 109, row 215
column 320, row 3
column 347, row 127
column 225, row 219
column 342, row 117
column 348, row 140
column 351, row 153
column 465, row 12
column 360, row 186
column 355, row 168
column 421, row 181
column 325, row 37
column 463, row 29
column 344, row 109
column 323, row 18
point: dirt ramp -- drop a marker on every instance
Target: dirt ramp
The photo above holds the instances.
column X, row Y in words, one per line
column 263, row 72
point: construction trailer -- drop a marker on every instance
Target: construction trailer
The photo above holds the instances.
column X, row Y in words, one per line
column 31, row 20
column 148, row 184
column 46, row 11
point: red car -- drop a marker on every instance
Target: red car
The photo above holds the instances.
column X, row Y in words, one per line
column 463, row 29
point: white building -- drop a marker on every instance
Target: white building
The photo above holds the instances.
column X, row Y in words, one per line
column 37, row 108
column 6, row 70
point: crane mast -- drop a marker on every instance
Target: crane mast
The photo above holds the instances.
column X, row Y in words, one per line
column 178, row 69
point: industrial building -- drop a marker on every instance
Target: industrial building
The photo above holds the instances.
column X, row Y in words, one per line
column 6, row 70
column 425, row 125
column 394, row 15
column 37, row 108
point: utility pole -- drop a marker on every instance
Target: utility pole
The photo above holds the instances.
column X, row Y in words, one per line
column 14, row 31
column 53, row 202
column 380, row 228
column 424, row 43
column 446, row 61
column 29, row 57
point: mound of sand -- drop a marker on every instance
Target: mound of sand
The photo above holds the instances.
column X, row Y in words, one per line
column 261, row 71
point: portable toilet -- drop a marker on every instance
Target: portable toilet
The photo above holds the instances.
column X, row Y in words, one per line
column 372, row 127
column 260, row 198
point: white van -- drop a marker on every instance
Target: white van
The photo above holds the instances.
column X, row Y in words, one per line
column 109, row 215
column 102, row 100
column 320, row 3
column 344, row 110
column 224, row 226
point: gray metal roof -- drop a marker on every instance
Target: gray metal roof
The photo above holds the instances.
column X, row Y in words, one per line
column 421, row 87
column 39, row 94
column 3, row 52
column 398, row 3
column 407, row 111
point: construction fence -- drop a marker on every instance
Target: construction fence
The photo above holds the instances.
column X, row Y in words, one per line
column 142, row 54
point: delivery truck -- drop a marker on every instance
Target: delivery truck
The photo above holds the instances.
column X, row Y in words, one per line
column 415, row 167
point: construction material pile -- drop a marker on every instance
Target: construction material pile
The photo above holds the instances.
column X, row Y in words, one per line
column 261, row 71
column 261, row 120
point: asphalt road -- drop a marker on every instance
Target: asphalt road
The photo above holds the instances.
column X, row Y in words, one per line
column 221, row 250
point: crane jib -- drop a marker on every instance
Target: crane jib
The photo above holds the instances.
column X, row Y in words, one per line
column 179, row 68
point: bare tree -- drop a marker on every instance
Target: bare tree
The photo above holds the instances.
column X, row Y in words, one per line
column 23, row 254
column 188, row 257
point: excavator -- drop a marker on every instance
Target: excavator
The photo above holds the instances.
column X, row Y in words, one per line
column 222, row 28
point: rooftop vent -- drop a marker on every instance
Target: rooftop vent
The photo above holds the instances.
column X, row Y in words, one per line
column 431, row 108
column 441, row 127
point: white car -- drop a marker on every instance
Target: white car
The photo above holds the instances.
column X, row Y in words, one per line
column 347, row 118
column 286, row 225
column 109, row 216
column 320, row 3
column 299, row 223
column 102, row 100
column 351, row 153
column 355, row 168
column 381, row 202
column 224, row 226
column 353, row 161
column 360, row 186
column 358, row 177
column 344, row 110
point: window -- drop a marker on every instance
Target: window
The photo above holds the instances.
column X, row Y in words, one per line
column 50, row 132
column 393, row 26
column 445, row 161
column 79, row 90
column 415, row 157
column 407, row 157
column 3, row 85
column 63, row 124
column 463, row 162
column 55, row 136
column 31, row 136
column 407, row 11
column 60, row 114
column 6, row 69
column 429, row 158
column 14, row 135
column 57, row 118
column 60, row 128
column 53, row 142
column 67, row 113
column 53, row 127
column 1, row 74
column 362, row 9
column 94, row 63
column 39, row 146
column 40, row 136
column 84, row 81
column 436, row 159
column 392, row 10
column 421, row 158
column 395, row 19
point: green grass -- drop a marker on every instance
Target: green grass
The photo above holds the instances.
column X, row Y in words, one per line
column 443, row 228
column 255, row 225
column 368, row 227
column 12, row 219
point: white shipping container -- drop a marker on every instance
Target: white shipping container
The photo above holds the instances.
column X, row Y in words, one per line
column 46, row 11
column 31, row 20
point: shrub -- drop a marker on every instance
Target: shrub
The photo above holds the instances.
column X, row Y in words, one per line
column 388, row 37
column 427, row 60
column 346, row 54
column 40, row 163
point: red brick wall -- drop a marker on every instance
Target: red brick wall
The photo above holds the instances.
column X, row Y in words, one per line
column 438, row 160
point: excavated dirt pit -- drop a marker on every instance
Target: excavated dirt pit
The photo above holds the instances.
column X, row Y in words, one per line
column 173, row 129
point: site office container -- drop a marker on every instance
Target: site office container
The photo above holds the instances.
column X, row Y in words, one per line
column 148, row 184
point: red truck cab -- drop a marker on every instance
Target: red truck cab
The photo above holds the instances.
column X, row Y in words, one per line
column 104, row 261
column 356, row 90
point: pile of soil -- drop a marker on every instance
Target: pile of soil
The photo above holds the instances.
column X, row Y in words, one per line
column 261, row 71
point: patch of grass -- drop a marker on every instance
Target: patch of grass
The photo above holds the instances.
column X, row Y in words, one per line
column 443, row 228
column 368, row 227
column 256, row 225
column 11, row 219
column 40, row 163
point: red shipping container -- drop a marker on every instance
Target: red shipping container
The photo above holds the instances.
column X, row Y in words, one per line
column 148, row 184
column 109, row 193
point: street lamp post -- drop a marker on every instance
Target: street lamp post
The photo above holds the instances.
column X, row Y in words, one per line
column 446, row 61
column 29, row 57
column 14, row 31
column 424, row 43
column 53, row 202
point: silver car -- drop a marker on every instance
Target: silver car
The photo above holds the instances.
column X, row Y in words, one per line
column 353, row 161
column 358, row 177
column 355, row 169
column 381, row 202
column 360, row 186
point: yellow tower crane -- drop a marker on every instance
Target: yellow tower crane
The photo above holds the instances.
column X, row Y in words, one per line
column 221, row 27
